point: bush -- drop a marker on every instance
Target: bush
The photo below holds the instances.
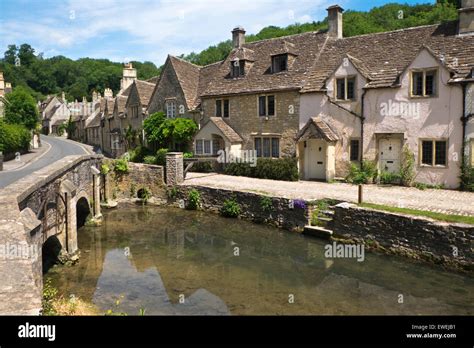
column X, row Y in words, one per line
column 121, row 166
column 285, row 169
column 202, row 167
column 365, row 175
column 138, row 154
column 104, row 169
column 13, row 138
column 194, row 200
column 266, row 204
column 149, row 160
column 230, row 209
column 388, row 178
column 188, row 155
column 467, row 178
column 144, row 194
column 161, row 157
column 407, row 169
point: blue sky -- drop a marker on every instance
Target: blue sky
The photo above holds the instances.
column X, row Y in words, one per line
column 124, row 30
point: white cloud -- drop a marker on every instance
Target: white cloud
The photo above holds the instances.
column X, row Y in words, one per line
column 149, row 30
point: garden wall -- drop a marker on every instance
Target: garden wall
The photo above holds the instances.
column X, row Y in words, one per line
column 416, row 237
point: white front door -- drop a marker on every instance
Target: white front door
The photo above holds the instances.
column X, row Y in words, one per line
column 315, row 159
column 390, row 151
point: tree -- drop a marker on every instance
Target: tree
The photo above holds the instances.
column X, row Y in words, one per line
column 26, row 53
column 21, row 108
column 165, row 132
column 11, row 54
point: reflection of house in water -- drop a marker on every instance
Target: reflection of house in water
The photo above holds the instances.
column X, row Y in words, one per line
column 146, row 290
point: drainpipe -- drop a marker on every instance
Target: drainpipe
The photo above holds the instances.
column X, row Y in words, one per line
column 362, row 123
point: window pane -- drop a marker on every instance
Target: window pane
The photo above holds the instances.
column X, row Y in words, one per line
column 242, row 68
column 430, row 88
column 266, row 147
column 351, row 88
column 271, row 105
column 427, row 153
column 258, row 146
column 199, row 147
column 279, row 63
column 276, row 147
column 207, row 147
column 219, row 108
column 215, row 146
column 417, row 83
column 262, row 108
column 341, row 90
column 354, row 150
column 226, row 108
column 440, row 159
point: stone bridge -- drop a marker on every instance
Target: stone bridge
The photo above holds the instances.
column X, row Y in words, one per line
column 43, row 209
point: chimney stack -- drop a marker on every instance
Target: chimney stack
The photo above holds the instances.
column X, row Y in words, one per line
column 238, row 37
column 335, row 21
column 108, row 93
column 466, row 17
column 128, row 76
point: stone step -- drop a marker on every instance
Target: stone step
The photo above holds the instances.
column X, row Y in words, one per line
column 325, row 219
column 318, row 232
column 328, row 212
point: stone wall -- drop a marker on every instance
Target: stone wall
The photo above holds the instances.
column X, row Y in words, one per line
column 279, row 215
column 126, row 186
column 416, row 237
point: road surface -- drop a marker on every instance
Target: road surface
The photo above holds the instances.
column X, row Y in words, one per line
column 59, row 148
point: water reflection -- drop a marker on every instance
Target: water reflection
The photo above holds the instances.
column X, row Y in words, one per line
column 174, row 252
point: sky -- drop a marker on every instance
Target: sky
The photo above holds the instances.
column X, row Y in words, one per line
column 149, row 30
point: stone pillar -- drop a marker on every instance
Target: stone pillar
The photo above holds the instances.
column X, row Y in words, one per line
column 71, row 224
column 174, row 168
column 1, row 161
column 96, row 198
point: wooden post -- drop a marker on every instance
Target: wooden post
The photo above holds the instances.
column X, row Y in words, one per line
column 361, row 194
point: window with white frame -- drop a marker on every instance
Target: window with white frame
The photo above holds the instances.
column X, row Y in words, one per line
column 203, row 147
column 171, row 108
column 268, row 147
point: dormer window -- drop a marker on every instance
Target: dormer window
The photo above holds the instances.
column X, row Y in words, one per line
column 346, row 88
column 238, row 68
column 279, row 63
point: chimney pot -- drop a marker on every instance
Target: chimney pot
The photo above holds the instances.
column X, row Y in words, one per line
column 335, row 21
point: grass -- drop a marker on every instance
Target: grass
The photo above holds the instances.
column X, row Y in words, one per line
column 436, row 216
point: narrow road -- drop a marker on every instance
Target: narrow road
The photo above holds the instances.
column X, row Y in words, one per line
column 59, row 148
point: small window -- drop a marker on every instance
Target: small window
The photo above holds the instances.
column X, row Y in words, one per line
column 222, row 108
column 355, row 150
column 171, row 109
column 346, row 88
column 424, row 83
column 238, row 68
column 266, row 105
column 280, row 63
column 434, row 153
column 203, row 147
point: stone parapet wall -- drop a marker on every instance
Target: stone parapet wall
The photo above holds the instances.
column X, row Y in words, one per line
column 417, row 237
column 280, row 214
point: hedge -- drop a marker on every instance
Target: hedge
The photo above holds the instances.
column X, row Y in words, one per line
column 13, row 138
column 285, row 169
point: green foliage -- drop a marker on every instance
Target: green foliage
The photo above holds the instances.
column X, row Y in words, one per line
column 266, row 204
column 62, row 128
column 194, row 200
column 285, row 169
column 163, row 131
column 161, row 157
column 172, row 192
column 121, row 166
column 13, row 138
column 407, row 168
column 133, row 189
column 230, row 208
column 365, row 175
column 467, row 177
column 104, row 169
column 144, row 194
column 318, row 212
column 202, row 167
column 149, row 160
column 76, row 78
column 388, row 178
column 20, row 108
column 188, row 155
column 422, row 186
column 138, row 154
column 49, row 295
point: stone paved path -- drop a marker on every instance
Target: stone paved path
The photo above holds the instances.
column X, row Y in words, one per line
column 441, row 201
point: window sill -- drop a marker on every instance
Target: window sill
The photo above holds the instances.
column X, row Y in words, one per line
column 423, row 96
column 426, row 166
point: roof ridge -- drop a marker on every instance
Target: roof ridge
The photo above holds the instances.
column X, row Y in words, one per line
column 185, row 61
column 288, row 36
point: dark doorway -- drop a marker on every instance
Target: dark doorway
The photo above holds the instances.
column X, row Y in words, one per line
column 51, row 251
